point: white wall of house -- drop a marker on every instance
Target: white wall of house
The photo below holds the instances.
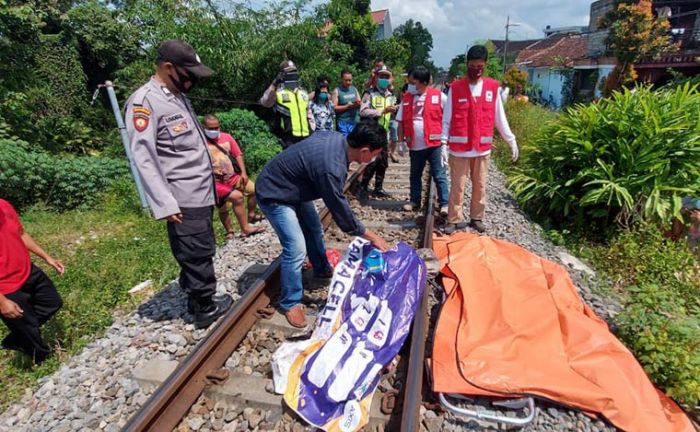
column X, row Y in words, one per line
column 384, row 30
column 550, row 82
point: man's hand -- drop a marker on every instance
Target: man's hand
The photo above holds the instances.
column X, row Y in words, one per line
column 389, row 109
column 376, row 240
column 356, row 104
column 515, row 153
column 56, row 264
column 279, row 79
column 244, row 179
column 10, row 309
column 175, row 218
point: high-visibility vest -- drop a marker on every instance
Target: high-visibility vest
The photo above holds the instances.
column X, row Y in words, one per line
column 379, row 102
column 473, row 119
column 292, row 105
column 432, row 117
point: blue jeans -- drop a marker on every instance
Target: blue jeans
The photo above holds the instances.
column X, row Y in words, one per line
column 299, row 230
column 432, row 155
column 345, row 127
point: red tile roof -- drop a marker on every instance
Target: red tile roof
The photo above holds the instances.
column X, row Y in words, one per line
column 379, row 16
column 556, row 50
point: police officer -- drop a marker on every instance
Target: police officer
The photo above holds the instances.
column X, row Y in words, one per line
column 170, row 151
column 380, row 104
column 290, row 102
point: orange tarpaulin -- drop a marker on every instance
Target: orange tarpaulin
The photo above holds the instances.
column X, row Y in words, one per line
column 513, row 324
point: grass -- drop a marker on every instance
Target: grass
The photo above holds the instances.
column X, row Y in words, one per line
column 106, row 251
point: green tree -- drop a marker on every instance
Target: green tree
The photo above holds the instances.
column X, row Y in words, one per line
column 634, row 34
column 395, row 52
column 352, row 26
column 420, row 42
column 458, row 66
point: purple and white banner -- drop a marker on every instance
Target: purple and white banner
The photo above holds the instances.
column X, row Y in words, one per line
column 371, row 303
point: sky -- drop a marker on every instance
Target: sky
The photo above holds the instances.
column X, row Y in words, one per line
column 455, row 24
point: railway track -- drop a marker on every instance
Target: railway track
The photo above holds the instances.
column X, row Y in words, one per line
column 205, row 368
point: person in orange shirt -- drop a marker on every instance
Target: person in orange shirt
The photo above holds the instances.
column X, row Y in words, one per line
column 28, row 298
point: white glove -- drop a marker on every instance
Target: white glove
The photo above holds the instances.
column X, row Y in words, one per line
column 444, row 156
column 402, row 148
column 514, row 152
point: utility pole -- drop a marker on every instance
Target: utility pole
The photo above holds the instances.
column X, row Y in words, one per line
column 125, row 139
column 505, row 45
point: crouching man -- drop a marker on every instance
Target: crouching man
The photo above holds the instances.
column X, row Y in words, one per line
column 314, row 168
column 28, row 298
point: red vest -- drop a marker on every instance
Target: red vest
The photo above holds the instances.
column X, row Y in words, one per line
column 471, row 126
column 432, row 117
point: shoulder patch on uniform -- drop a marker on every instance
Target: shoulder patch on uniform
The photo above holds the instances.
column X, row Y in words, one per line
column 141, row 121
column 141, row 110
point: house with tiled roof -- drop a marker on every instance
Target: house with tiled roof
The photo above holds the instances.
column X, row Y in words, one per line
column 383, row 21
column 380, row 18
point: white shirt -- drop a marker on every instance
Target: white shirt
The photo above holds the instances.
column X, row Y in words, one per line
column 418, row 128
column 500, row 120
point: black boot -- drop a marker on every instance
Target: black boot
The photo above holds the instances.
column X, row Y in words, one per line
column 207, row 311
column 191, row 302
column 381, row 193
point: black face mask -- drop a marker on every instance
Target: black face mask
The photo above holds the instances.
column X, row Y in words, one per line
column 179, row 83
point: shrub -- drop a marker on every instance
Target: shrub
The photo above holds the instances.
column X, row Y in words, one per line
column 28, row 177
column 253, row 136
column 526, row 120
column 659, row 281
column 633, row 156
column 664, row 333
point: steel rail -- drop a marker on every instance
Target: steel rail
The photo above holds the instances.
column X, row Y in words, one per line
column 173, row 399
column 413, row 384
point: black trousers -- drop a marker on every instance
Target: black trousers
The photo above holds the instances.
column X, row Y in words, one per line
column 287, row 139
column 39, row 300
column 193, row 245
column 378, row 170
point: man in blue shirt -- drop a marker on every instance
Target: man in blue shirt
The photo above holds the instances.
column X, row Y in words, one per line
column 314, row 168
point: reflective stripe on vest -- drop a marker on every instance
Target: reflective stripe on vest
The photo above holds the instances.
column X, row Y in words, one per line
column 432, row 117
column 380, row 102
column 473, row 119
column 293, row 105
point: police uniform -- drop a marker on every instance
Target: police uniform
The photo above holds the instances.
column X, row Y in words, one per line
column 170, row 152
column 373, row 104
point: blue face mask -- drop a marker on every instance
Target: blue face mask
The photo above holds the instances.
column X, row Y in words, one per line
column 412, row 89
column 323, row 97
column 383, row 83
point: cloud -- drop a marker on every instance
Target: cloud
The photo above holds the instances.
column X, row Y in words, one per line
column 455, row 24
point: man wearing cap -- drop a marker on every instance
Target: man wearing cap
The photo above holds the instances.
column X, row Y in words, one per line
column 380, row 104
column 290, row 102
column 170, row 152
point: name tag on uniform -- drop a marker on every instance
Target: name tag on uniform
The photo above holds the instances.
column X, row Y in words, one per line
column 172, row 118
column 435, row 100
column 489, row 96
column 462, row 100
column 405, row 104
column 181, row 127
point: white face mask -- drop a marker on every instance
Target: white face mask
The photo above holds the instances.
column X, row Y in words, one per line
column 212, row 133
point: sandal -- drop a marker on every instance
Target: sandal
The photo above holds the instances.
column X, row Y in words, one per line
column 230, row 235
column 255, row 218
column 257, row 230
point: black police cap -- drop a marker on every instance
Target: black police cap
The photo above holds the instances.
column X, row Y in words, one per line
column 182, row 54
